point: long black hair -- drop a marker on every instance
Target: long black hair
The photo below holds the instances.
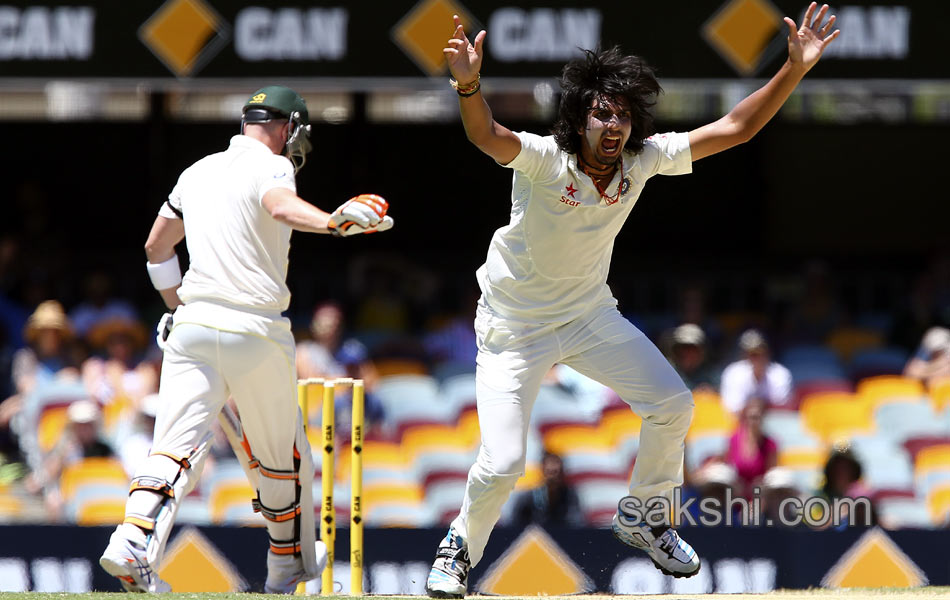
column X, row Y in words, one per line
column 609, row 74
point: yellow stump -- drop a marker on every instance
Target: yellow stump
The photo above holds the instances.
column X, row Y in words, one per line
column 356, row 487
column 304, row 389
column 327, row 516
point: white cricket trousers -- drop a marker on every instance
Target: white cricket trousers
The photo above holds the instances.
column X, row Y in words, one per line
column 204, row 363
column 512, row 360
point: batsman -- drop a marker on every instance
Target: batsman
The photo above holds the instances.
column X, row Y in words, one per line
column 236, row 210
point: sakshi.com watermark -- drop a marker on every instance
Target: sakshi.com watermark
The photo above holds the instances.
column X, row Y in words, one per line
column 793, row 511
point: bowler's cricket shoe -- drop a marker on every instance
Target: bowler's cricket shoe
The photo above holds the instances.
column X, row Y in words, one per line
column 448, row 577
column 285, row 571
column 669, row 552
column 124, row 559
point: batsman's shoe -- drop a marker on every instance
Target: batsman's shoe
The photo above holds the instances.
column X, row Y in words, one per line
column 285, row 571
column 669, row 552
column 124, row 559
column 448, row 577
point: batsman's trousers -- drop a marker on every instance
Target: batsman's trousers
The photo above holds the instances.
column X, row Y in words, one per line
column 514, row 357
column 216, row 351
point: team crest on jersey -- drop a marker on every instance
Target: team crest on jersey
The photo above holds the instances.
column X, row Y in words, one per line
column 258, row 99
column 624, row 186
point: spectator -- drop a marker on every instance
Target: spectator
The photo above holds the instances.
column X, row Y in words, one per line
column 122, row 374
column 48, row 333
column 315, row 357
column 554, row 502
column 755, row 376
column 778, row 485
column 688, row 357
column 932, row 359
column 82, row 439
column 818, row 310
column 750, row 451
column 843, row 480
column 715, row 483
column 99, row 305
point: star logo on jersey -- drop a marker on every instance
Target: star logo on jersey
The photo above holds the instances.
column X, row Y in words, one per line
column 571, row 190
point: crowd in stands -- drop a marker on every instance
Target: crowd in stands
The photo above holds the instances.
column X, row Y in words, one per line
column 809, row 400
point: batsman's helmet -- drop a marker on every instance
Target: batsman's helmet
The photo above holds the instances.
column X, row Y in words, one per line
column 276, row 102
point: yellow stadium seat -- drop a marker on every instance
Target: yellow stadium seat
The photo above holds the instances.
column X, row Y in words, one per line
column 932, row 458
column 428, row 437
column 119, row 409
column 846, row 341
column 710, row 417
column 91, row 471
column 888, row 388
column 532, row 478
column 400, row 366
column 938, row 504
column 52, row 423
column 392, row 493
column 104, row 511
column 467, row 425
column 227, row 495
column 836, row 415
column 565, row 439
column 803, row 458
column 620, row 424
column 940, row 394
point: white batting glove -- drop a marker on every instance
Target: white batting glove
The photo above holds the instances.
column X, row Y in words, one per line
column 365, row 213
column 164, row 328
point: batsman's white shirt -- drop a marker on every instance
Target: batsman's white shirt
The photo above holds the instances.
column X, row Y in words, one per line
column 550, row 263
column 238, row 252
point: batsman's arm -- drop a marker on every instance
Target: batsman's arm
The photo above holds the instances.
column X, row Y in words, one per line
column 292, row 210
column 465, row 60
column 162, row 260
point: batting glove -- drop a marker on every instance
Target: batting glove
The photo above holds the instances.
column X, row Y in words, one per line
column 164, row 328
column 365, row 213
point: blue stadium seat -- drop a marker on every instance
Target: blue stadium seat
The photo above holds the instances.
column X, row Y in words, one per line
column 877, row 361
column 900, row 421
column 701, row 448
column 409, row 398
column 886, row 464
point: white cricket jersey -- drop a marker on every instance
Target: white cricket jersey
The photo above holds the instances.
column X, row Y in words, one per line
column 238, row 252
column 550, row 263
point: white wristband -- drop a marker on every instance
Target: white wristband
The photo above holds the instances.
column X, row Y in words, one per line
column 166, row 274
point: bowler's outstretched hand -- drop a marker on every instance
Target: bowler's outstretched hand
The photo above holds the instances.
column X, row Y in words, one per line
column 464, row 58
column 805, row 45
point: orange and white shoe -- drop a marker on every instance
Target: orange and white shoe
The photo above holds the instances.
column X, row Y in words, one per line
column 124, row 559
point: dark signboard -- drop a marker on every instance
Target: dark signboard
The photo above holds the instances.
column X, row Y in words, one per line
column 324, row 39
column 62, row 558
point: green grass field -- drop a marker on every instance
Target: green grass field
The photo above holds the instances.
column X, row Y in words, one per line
column 851, row 594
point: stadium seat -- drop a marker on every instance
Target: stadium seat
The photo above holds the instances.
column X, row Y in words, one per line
column 710, row 418
column 788, row 431
column 939, row 393
column 835, row 415
column 877, row 361
column 393, row 367
column 890, row 388
column 92, row 472
column 899, row 513
column 938, row 505
column 555, row 405
column 104, row 511
column 700, row 448
column 815, row 386
column 810, row 363
column 449, row 369
column 846, row 341
column 458, row 390
column 599, row 497
column 886, row 464
column 413, row 398
column 905, row 420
